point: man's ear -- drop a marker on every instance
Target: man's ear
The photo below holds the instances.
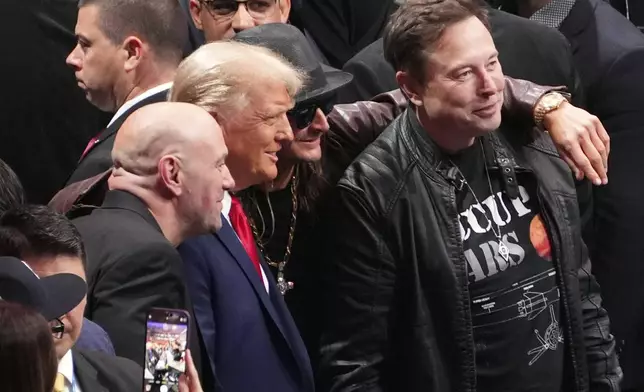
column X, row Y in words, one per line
column 169, row 169
column 195, row 13
column 412, row 89
column 285, row 10
column 133, row 47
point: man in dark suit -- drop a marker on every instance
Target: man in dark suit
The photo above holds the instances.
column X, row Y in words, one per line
column 125, row 58
column 167, row 185
column 608, row 52
column 45, row 119
column 251, row 339
column 50, row 245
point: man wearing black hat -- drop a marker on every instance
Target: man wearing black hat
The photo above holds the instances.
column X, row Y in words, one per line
column 281, row 211
column 51, row 248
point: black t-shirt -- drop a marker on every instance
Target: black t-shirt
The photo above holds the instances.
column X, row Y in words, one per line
column 304, row 299
column 515, row 303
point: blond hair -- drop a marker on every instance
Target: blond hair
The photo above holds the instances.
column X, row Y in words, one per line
column 220, row 76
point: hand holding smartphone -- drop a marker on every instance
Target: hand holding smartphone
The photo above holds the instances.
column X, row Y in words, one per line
column 189, row 381
column 165, row 349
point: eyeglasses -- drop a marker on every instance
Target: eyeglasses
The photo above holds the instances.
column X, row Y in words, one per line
column 57, row 328
column 226, row 9
column 302, row 116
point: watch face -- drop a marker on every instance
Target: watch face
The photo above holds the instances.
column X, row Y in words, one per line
column 552, row 101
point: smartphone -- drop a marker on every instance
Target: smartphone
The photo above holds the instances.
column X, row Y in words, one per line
column 166, row 340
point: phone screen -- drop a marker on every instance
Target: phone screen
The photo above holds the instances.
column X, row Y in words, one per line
column 165, row 349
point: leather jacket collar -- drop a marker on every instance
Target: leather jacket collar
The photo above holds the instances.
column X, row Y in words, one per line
column 429, row 155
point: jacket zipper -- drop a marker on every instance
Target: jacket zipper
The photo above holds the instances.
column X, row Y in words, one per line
column 471, row 384
column 549, row 224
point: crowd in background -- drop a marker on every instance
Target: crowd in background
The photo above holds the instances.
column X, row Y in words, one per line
column 344, row 195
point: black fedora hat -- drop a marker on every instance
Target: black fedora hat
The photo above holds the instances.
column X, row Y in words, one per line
column 288, row 41
column 51, row 296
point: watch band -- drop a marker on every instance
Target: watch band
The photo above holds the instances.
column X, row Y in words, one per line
column 548, row 103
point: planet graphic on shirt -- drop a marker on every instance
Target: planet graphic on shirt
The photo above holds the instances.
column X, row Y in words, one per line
column 539, row 238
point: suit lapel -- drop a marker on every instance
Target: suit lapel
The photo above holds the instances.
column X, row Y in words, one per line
column 269, row 300
column 230, row 240
column 86, row 374
column 116, row 125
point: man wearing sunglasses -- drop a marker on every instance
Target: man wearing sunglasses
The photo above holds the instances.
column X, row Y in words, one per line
column 222, row 19
column 279, row 210
column 52, row 250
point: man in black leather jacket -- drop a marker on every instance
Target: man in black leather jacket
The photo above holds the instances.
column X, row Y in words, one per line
column 458, row 263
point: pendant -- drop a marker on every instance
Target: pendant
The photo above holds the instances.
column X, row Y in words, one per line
column 282, row 285
column 504, row 251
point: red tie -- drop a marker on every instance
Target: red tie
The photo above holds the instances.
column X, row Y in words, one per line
column 89, row 146
column 239, row 221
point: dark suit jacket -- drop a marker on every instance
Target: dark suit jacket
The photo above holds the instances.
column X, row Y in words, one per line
column 99, row 157
column 131, row 267
column 527, row 50
column 609, row 54
column 251, row 339
column 98, row 372
column 342, row 28
column 45, row 119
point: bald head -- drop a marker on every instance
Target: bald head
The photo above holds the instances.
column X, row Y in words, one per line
column 160, row 129
column 172, row 156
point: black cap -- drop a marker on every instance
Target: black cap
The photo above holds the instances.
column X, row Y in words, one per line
column 51, row 296
column 289, row 41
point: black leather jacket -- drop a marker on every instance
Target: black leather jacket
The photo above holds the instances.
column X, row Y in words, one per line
column 398, row 315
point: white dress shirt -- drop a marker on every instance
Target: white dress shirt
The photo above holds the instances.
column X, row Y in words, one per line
column 225, row 210
column 128, row 104
column 66, row 368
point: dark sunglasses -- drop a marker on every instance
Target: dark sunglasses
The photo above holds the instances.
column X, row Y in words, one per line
column 57, row 328
column 302, row 116
column 258, row 9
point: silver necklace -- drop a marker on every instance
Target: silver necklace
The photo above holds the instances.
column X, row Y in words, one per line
column 503, row 250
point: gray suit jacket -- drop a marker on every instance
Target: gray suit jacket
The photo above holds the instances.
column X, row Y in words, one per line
column 98, row 372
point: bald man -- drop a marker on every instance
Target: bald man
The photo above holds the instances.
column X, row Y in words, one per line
column 168, row 181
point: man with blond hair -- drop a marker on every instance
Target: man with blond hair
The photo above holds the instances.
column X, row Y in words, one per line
column 168, row 181
column 248, row 332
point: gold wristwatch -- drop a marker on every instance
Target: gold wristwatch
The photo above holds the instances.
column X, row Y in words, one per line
column 546, row 104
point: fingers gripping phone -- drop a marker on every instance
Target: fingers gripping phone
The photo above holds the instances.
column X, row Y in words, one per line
column 165, row 349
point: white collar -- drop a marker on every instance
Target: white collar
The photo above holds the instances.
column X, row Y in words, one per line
column 148, row 93
column 226, row 203
column 66, row 367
